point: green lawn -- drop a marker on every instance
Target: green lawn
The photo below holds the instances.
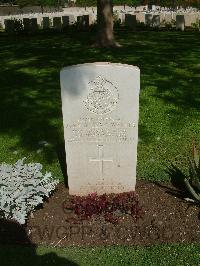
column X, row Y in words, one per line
column 173, row 255
column 30, row 104
column 30, row 112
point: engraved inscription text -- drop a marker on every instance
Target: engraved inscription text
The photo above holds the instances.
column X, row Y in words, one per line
column 102, row 129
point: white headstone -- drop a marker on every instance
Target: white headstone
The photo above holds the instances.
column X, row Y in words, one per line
column 9, row 26
column 46, row 23
column 122, row 17
column 148, row 19
column 100, row 104
column 190, row 18
column 33, row 24
column 26, row 23
column 168, row 17
column 57, row 25
column 180, row 22
column 153, row 8
column 65, row 22
column 92, row 19
column 130, row 21
column 140, row 17
column 83, row 22
column 72, row 19
column 156, row 21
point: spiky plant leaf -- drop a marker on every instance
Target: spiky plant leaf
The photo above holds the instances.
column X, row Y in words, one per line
column 191, row 182
column 193, row 193
column 194, row 167
column 177, row 176
column 195, row 154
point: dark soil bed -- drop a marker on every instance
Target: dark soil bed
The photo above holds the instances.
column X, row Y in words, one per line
column 167, row 218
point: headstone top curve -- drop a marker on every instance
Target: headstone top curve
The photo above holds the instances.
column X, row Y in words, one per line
column 103, row 64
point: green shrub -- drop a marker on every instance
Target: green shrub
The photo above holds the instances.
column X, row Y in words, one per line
column 23, row 187
column 191, row 182
column 196, row 25
column 168, row 25
column 18, row 25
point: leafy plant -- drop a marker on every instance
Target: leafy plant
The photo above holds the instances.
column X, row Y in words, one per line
column 168, row 25
column 116, row 19
column 115, row 16
column 190, row 183
column 111, row 206
column 196, row 25
column 22, row 188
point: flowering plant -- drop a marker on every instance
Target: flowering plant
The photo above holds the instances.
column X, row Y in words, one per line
column 111, row 206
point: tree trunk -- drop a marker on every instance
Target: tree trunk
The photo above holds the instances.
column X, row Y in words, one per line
column 105, row 37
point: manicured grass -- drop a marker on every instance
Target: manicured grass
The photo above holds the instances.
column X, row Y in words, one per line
column 172, row 255
column 30, row 103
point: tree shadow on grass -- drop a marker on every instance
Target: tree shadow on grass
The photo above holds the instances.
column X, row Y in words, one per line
column 17, row 249
column 169, row 60
column 30, row 91
column 30, row 103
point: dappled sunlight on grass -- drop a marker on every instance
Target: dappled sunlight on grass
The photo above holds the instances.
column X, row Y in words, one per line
column 118, row 255
column 30, row 103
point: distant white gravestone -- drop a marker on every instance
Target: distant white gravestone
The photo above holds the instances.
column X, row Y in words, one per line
column 180, row 22
column 100, row 105
column 46, row 23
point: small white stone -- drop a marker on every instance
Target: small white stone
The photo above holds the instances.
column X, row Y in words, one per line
column 189, row 200
column 39, row 151
column 43, row 143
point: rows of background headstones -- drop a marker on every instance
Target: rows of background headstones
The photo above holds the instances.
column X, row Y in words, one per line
column 57, row 23
column 129, row 17
column 160, row 20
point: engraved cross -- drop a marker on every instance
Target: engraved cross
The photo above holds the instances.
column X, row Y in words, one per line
column 101, row 160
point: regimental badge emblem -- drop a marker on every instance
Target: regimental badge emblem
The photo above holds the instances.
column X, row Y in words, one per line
column 103, row 96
